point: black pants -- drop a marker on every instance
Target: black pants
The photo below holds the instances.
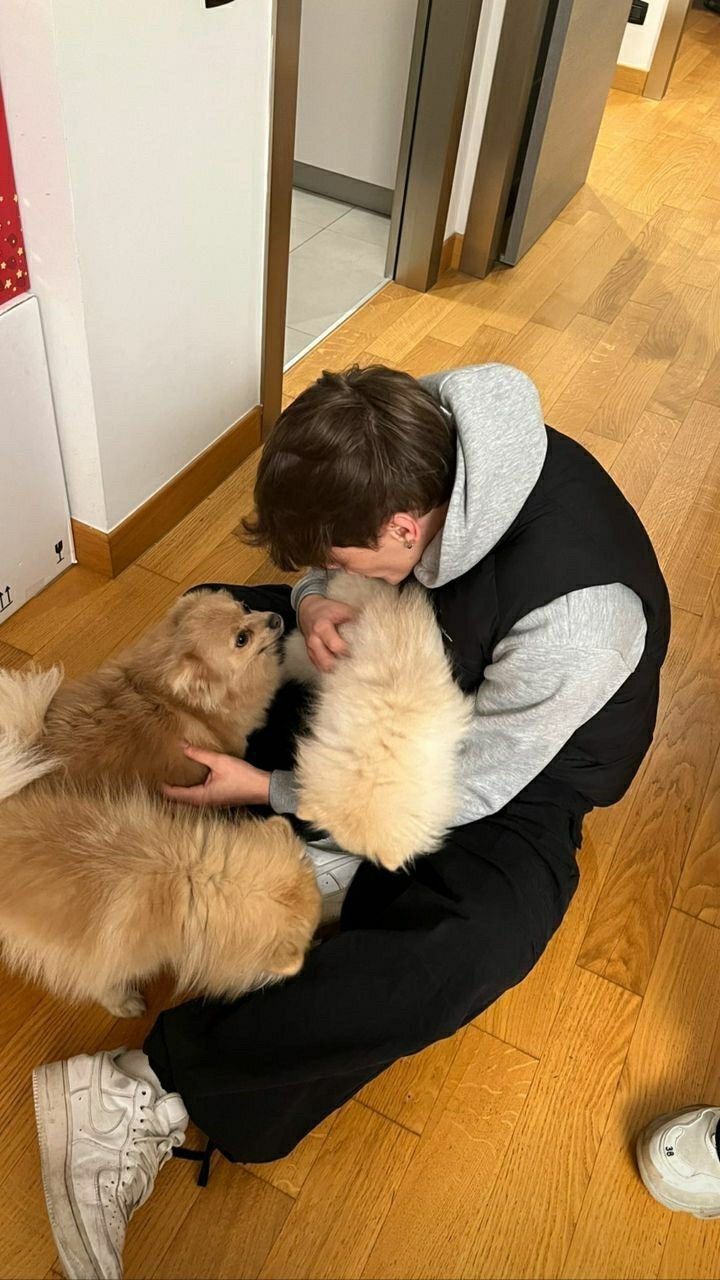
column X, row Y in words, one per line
column 419, row 953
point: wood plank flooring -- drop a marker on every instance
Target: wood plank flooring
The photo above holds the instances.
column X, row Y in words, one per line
column 507, row 1150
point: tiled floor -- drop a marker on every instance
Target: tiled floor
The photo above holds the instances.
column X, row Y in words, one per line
column 337, row 258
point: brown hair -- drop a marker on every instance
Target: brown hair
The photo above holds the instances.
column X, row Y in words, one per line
column 351, row 451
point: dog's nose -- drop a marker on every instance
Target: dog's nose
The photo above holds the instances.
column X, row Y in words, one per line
column 276, row 623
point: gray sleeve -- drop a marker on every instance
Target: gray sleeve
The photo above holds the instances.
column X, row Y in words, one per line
column 313, row 583
column 283, row 791
column 553, row 671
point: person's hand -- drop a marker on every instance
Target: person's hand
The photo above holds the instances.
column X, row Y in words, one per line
column 229, row 782
column 319, row 619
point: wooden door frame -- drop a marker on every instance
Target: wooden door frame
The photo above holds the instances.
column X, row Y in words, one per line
column 443, row 48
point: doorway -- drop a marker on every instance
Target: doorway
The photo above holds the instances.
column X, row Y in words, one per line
column 368, row 101
column 354, row 66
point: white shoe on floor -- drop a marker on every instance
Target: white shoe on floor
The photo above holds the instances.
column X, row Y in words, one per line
column 678, row 1160
column 103, row 1135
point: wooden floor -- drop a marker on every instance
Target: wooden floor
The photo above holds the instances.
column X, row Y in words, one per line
column 507, row 1151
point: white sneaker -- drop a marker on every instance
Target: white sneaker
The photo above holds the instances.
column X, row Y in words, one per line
column 334, row 872
column 678, row 1160
column 103, row 1137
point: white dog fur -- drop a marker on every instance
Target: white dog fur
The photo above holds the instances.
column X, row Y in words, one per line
column 378, row 767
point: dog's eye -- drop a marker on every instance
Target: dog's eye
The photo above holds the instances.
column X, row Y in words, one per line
column 241, row 639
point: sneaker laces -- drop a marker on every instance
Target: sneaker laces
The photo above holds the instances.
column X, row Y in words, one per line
column 144, row 1159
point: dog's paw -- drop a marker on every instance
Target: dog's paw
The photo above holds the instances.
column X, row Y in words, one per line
column 127, row 1004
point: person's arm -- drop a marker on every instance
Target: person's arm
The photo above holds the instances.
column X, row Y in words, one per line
column 313, row 583
column 283, row 791
column 553, row 671
column 229, row 782
column 319, row 619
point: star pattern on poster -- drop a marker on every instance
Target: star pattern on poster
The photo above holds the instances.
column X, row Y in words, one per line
column 14, row 280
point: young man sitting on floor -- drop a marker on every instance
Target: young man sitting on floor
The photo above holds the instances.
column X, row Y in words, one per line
column 556, row 618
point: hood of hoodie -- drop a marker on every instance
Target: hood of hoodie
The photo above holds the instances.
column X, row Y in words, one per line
column 501, row 447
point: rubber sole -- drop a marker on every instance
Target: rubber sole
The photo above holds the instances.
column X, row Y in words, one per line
column 51, row 1095
column 655, row 1183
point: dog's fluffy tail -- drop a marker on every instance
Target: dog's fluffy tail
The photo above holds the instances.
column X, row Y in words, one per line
column 24, row 699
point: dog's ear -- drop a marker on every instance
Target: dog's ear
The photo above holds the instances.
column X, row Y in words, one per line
column 287, row 959
column 191, row 681
column 181, row 607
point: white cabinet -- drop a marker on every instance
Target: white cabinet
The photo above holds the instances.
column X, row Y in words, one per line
column 35, row 538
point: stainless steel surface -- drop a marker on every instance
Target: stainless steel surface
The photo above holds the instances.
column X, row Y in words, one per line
column 282, row 152
column 447, row 56
column 512, row 81
column 422, row 18
column 579, row 67
column 666, row 48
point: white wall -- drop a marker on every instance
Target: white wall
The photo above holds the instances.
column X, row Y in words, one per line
column 639, row 43
column 159, row 257
column 486, row 47
column 28, row 72
column 34, row 512
column 354, row 63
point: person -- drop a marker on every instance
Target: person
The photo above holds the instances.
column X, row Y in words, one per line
column 678, row 1157
column 556, row 621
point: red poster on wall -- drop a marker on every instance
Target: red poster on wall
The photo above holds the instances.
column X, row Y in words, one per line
column 13, row 267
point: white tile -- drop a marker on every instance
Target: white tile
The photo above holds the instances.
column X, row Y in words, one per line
column 332, row 247
column 319, row 293
column 295, row 342
column 364, row 225
column 300, row 231
column 317, row 209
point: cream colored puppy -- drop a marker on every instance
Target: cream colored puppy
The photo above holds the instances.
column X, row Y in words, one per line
column 377, row 769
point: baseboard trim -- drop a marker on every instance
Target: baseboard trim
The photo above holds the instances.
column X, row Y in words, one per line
column 340, row 186
column 451, row 250
column 110, row 553
column 629, row 79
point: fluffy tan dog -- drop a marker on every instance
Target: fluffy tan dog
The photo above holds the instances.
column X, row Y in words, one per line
column 206, row 675
column 102, row 891
column 378, row 767
column 104, row 884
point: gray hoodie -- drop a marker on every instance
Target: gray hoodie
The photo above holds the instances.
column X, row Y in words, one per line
column 558, row 665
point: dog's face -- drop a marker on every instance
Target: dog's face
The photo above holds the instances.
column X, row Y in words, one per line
column 217, row 646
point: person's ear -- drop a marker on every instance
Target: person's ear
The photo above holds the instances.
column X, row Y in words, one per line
column 406, row 529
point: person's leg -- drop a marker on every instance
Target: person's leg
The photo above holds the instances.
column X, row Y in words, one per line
column 419, row 954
